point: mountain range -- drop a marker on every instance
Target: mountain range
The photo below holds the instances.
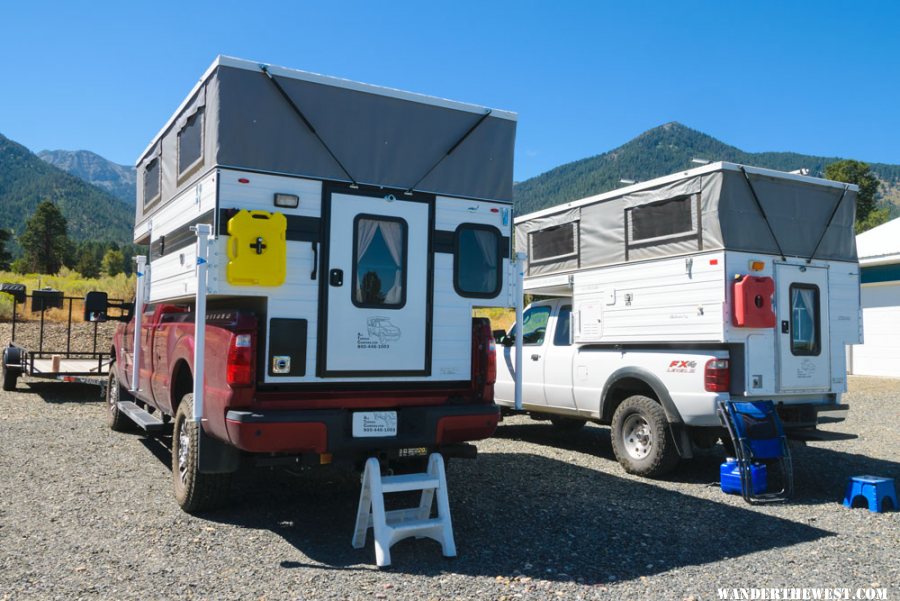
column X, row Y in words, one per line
column 660, row 151
column 118, row 180
column 92, row 213
column 97, row 195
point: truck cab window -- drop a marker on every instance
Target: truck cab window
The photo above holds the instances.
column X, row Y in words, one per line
column 805, row 319
column 476, row 265
column 379, row 262
column 535, row 326
column 562, row 336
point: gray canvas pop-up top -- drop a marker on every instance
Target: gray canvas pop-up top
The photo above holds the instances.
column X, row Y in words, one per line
column 709, row 208
column 238, row 116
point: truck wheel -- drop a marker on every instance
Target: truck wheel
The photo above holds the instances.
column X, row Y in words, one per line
column 567, row 424
column 641, row 439
column 194, row 491
column 115, row 392
column 10, row 374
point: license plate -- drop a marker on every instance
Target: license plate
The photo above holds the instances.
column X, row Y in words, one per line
column 368, row 424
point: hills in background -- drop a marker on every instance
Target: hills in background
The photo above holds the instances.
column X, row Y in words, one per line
column 97, row 196
column 660, row 151
column 118, row 180
column 25, row 180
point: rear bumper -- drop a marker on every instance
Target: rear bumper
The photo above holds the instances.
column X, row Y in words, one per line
column 330, row 430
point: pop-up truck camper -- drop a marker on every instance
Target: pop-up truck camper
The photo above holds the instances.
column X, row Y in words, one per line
column 671, row 296
column 334, row 237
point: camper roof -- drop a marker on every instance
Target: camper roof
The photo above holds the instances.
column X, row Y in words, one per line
column 667, row 179
column 238, row 63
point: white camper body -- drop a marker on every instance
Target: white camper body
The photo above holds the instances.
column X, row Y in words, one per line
column 659, row 286
column 352, row 207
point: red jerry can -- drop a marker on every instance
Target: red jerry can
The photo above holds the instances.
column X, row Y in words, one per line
column 752, row 302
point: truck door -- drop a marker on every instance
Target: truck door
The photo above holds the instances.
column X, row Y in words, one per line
column 558, row 362
column 803, row 341
column 377, row 286
column 536, row 320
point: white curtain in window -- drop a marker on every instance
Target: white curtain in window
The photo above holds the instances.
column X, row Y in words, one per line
column 804, row 320
column 392, row 234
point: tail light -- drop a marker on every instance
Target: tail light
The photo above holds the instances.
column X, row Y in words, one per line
column 239, row 367
column 484, row 358
column 717, row 375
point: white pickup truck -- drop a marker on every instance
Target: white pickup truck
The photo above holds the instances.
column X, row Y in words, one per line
column 658, row 401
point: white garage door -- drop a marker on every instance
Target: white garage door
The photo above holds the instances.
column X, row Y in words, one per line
column 880, row 355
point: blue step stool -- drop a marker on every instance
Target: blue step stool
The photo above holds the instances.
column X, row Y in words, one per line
column 874, row 489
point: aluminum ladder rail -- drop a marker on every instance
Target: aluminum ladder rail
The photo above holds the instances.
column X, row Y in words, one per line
column 393, row 526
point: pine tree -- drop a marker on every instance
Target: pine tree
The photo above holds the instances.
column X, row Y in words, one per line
column 45, row 239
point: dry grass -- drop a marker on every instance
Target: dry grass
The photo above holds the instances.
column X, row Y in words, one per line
column 70, row 283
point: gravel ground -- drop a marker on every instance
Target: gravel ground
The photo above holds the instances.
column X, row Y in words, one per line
column 88, row 513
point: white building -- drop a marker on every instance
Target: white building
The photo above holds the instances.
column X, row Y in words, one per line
column 879, row 261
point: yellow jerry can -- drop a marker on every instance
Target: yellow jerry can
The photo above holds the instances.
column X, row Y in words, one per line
column 257, row 250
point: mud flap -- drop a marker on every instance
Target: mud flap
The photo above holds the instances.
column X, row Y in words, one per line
column 215, row 456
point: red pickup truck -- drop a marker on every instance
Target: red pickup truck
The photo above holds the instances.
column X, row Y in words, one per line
column 306, row 424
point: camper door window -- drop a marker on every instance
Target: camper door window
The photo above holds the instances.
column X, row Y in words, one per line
column 379, row 262
column 476, row 264
column 805, row 319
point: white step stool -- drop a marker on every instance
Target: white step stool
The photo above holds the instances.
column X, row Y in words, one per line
column 393, row 526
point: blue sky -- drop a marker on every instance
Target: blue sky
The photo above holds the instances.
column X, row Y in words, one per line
column 813, row 77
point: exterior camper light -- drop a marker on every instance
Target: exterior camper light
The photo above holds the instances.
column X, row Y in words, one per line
column 757, row 265
column 700, row 161
column 627, row 181
column 287, row 201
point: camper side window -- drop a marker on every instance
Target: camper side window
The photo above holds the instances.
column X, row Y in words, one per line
column 190, row 143
column 805, row 319
column 379, row 262
column 553, row 244
column 662, row 222
column 151, row 182
column 476, row 261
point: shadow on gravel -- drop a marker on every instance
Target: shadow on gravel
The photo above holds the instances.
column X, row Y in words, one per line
column 62, row 392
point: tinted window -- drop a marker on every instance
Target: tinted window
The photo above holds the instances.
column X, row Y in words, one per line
column 379, row 262
column 535, row 320
column 562, row 335
column 554, row 243
column 477, row 261
column 151, row 181
column 661, row 219
column 804, row 319
column 190, row 142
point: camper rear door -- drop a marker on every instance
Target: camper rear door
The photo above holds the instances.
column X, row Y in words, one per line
column 376, row 286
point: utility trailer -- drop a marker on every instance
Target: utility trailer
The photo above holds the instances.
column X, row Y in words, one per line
column 673, row 295
column 47, row 360
column 317, row 247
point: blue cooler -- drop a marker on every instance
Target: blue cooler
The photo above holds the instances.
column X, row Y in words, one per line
column 730, row 477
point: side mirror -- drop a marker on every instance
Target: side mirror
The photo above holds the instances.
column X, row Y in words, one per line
column 498, row 335
column 509, row 340
column 96, row 305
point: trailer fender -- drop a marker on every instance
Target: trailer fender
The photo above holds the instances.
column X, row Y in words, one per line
column 660, row 392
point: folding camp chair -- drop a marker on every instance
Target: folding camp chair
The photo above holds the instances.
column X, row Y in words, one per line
column 757, row 435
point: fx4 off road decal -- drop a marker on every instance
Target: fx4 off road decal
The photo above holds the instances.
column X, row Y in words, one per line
column 682, row 367
column 380, row 332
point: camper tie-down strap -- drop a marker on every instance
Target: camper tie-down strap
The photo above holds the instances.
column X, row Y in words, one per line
column 828, row 225
column 456, row 145
column 306, row 122
column 762, row 212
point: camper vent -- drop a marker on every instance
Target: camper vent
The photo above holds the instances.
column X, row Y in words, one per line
column 554, row 243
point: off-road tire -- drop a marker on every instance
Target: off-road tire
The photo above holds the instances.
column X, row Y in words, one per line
column 115, row 419
column 661, row 455
column 567, row 424
column 194, row 490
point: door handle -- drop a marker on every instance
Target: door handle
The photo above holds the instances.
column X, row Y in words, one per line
column 785, row 327
column 336, row 277
column 535, row 357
